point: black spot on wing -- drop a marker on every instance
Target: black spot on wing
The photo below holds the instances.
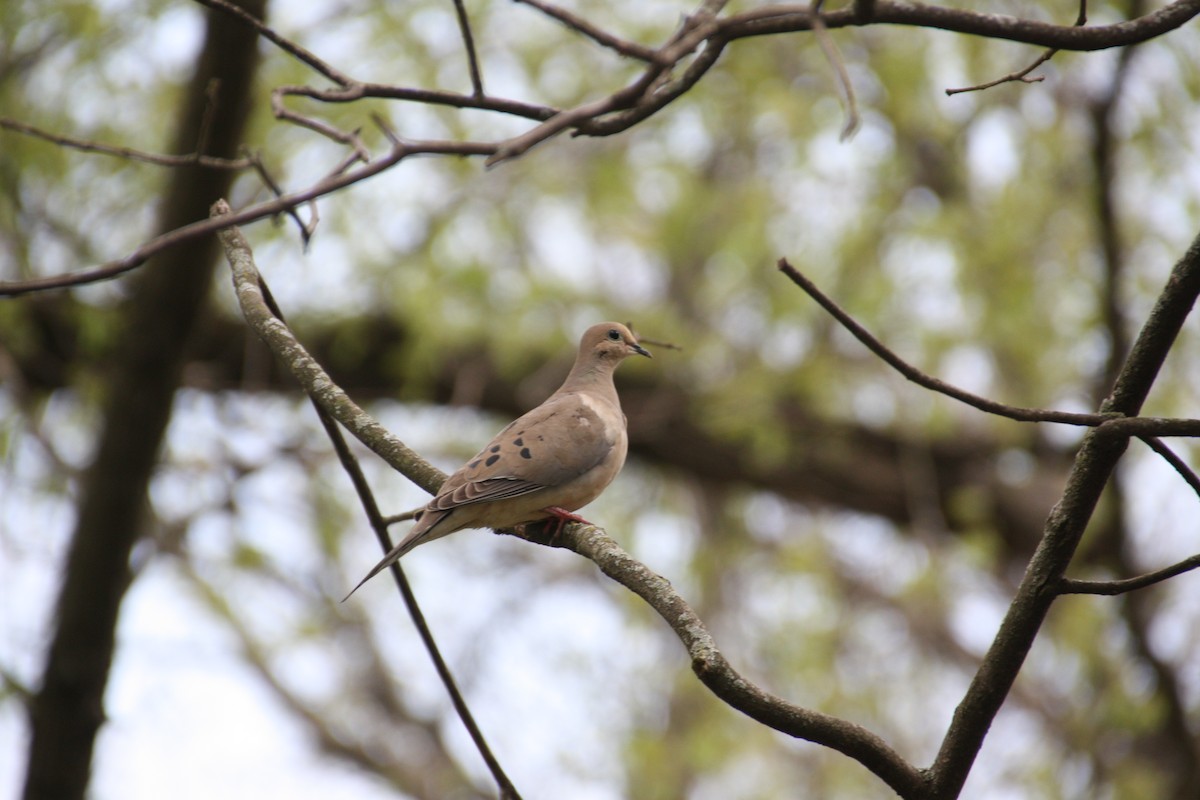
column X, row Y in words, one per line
column 492, row 459
column 474, row 464
column 519, row 442
column 495, row 449
column 525, row 453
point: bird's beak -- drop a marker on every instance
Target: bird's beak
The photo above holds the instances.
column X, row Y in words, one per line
column 637, row 348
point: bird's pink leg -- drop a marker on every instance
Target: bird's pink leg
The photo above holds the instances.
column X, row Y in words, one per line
column 563, row 516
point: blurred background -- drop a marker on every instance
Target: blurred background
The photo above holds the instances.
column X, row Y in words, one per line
column 851, row 539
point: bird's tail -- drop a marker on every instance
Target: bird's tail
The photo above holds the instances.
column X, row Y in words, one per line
column 422, row 532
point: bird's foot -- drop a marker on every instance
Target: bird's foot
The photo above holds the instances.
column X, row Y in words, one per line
column 562, row 517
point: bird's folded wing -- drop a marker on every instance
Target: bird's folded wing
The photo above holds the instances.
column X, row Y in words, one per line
column 552, row 445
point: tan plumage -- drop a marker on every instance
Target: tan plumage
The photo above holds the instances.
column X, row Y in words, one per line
column 553, row 460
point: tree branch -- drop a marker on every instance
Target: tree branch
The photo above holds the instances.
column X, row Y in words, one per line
column 270, row 208
column 790, row 18
column 267, row 321
column 1022, row 75
column 313, row 379
column 715, row 672
column 1072, row 586
column 464, row 27
column 601, row 37
column 623, row 108
column 1097, row 457
column 200, row 159
column 283, row 43
column 1175, row 461
column 927, row 381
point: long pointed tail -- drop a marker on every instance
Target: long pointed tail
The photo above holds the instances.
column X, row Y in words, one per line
column 391, row 558
column 422, row 532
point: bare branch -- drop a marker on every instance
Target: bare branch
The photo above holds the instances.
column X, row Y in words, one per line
column 253, row 213
column 1022, row 75
column 260, row 310
column 1094, row 464
column 283, row 43
column 715, row 672
column 1127, row 427
column 464, row 27
column 1072, row 586
column 349, row 138
column 921, row 379
column 518, row 145
column 790, row 18
column 125, row 152
column 436, row 97
column 306, row 229
column 664, row 94
column 1175, row 461
column 315, row 382
column 582, row 26
column 380, row 525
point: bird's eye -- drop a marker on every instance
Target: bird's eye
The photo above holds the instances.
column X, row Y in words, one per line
column 614, row 334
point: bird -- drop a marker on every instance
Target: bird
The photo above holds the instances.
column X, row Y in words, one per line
column 550, row 462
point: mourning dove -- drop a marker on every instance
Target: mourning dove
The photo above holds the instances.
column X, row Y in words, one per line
column 555, row 459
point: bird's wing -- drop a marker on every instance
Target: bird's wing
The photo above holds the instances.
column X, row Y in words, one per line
column 555, row 443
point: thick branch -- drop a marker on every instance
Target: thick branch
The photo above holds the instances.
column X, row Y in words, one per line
column 790, row 18
column 715, row 672
column 1095, row 462
column 312, row 377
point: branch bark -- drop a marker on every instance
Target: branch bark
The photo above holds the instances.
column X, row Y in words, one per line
column 1095, row 462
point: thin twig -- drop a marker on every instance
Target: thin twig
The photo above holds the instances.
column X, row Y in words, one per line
column 1022, row 75
column 436, row 97
column 934, row 384
column 663, row 95
column 280, row 41
column 306, row 229
column 1174, row 460
column 1072, row 586
column 349, row 138
column 1109, row 424
column 269, row 208
column 601, row 37
column 125, row 152
column 464, row 27
column 695, row 30
column 519, row 145
column 379, row 524
column 404, row 517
